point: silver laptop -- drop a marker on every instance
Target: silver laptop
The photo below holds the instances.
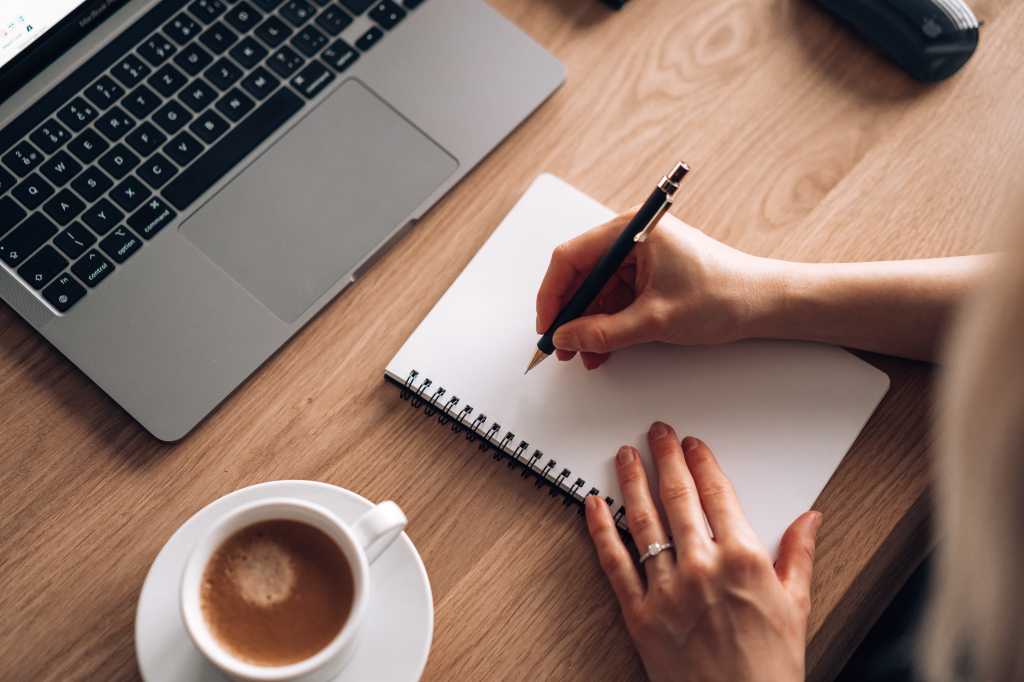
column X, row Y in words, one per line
column 185, row 183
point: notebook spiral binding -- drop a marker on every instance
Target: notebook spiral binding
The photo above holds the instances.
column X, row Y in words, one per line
column 437, row 401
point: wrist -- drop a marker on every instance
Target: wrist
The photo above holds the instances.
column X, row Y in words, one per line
column 782, row 296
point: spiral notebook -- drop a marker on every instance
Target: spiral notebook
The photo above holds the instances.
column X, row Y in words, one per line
column 779, row 415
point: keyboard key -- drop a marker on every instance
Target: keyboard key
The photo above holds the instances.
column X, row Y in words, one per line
column 183, row 148
column 232, row 148
column 157, row 49
column 223, row 74
column 42, row 267
column 193, row 59
column 268, row 5
column 115, row 124
column 412, row 4
column 387, row 14
column 88, row 146
column 104, row 92
column 64, row 293
column 286, row 62
column 18, row 245
column 172, row 117
column 218, row 38
column 10, row 214
column 260, row 83
column 312, row 79
column 197, row 95
column 102, row 217
column 209, row 126
column 60, row 168
column 235, row 104
column 141, row 102
column 151, row 218
column 309, row 41
column 92, row 268
column 297, row 12
column 74, row 240
column 6, row 181
column 273, row 32
column 181, row 29
column 156, row 171
column 64, row 207
column 357, row 6
column 322, row 3
column 33, row 191
column 168, row 80
column 50, row 136
column 207, row 11
column 243, row 17
column 130, row 193
column 119, row 161
column 369, row 39
column 130, row 71
column 91, row 184
column 248, row 53
column 333, row 20
column 22, row 158
column 77, row 114
column 145, row 139
column 340, row 55
column 120, row 244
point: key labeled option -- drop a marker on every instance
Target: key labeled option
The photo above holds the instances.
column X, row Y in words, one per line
column 120, row 244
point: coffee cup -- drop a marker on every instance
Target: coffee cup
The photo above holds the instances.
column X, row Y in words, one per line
column 241, row 569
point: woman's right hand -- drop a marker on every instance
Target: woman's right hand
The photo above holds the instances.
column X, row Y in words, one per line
column 680, row 286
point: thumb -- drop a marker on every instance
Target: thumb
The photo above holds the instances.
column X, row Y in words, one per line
column 796, row 557
column 604, row 333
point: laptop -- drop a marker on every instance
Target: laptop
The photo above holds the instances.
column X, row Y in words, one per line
column 185, row 183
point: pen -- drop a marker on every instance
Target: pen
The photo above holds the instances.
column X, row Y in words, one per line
column 636, row 231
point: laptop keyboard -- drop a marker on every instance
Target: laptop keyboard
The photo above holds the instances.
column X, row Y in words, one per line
column 106, row 159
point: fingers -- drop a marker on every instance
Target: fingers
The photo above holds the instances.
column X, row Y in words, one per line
column 676, row 487
column 717, row 497
column 612, row 554
column 641, row 515
column 796, row 557
column 604, row 333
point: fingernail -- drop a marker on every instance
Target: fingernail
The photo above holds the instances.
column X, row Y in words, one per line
column 690, row 443
column 566, row 340
column 539, row 330
column 625, row 455
column 659, row 430
column 592, row 502
column 817, row 520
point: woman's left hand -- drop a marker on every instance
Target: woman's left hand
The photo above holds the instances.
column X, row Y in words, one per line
column 714, row 608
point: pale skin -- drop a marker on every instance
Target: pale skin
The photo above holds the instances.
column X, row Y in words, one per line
column 717, row 607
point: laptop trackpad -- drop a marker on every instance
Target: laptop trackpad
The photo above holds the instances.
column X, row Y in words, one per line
column 315, row 204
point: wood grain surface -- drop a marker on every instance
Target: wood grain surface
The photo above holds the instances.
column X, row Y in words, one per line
column 804, row 145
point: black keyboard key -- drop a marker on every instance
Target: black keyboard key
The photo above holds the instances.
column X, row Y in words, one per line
column 77, row 114
column 151, row 218
column 141, row 102
column 88, row 146
column 412, row 4
column 172, row 117
column 197, row 95
column 130, row 193
column 119, row 161
column 235, row 105
column 322, row 3
column 312, row 79
column 340, row 55
column 168, row 80
column 157, row 171
column 297, row 12
column 181, row 29
column 209, row 126
column 260, row 83
column 104, row 92
column 50, row 136
column 42, row 267
column 145, row 139
column 60, row 168
column 10, row 214
column 157, row 50
column 23, row 158
column 333, row 20
column 387, row 14
column 102, row 216
column 183, row 148
column 193, row 59
column 130, row 71
column 243, row 17
column 268, row 5
column 18, row 244
column 64, row 207
column 115, row 124
column 248, row 53
column 286, row 62
column 33, row 191
column 64, row 293
column 92, row 268
column 273, row 32
column 309, row 41
column 6, row 181
column 207, row 11
column 223, row 74
column 120, row 244
column 218, row 38
column 369, row 39
column 74, row 240
column 357, row 6
column 233, row 147
column 91, row 184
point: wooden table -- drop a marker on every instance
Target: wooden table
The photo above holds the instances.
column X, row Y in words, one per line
column 804, row 145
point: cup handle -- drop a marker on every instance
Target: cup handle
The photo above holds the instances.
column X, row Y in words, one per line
column 378, row 528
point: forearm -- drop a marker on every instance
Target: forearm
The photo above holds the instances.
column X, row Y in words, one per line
column 901, row 308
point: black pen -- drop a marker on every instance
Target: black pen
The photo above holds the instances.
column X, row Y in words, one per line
column 636, row 231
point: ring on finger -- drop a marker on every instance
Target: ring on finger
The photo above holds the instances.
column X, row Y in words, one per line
column 654, row 549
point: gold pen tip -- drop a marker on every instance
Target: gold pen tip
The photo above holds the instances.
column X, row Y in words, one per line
column 539, row 356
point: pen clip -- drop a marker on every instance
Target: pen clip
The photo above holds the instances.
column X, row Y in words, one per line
column 642, row 235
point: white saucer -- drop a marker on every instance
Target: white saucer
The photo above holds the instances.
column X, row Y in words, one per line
column 394, row 639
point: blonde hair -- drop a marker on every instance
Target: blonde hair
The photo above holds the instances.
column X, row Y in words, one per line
column 977, row 609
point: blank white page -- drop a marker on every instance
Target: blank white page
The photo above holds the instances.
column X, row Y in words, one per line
column 779, row 415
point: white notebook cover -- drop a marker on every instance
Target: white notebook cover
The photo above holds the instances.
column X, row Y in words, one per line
column 779, row 415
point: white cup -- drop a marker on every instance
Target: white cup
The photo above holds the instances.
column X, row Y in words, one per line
column 361, row 543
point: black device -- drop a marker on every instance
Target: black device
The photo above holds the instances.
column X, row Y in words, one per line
column 930, row 39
